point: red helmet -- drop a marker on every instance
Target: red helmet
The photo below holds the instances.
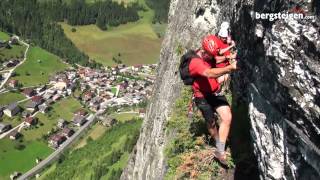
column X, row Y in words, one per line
column 209, row 45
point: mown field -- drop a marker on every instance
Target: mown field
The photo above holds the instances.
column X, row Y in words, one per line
column 12, row 159
column 16, row 52
column 123, row 117
column 110, row 153
column 10, row 97
column 38, row 67
column 137, row 42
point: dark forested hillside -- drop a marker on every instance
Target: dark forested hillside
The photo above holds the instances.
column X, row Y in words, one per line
column 37, row 21
column 161, row 8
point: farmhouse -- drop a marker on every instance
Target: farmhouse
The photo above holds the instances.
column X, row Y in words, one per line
column 12, row 110
column 79, row 120
column 29, row 92
column 60, row 85
column 43, row 108
column 25, row 114
column 61, row 123
column 11, row 63
column 56, row 140
column 29, row 121
column 37, row 99
column 31, row 106
column 15, row 175
column 14, row 135
column 47, row 96
column 67, row 132
column 4, row 127
column 13, row 83
column 14, row 40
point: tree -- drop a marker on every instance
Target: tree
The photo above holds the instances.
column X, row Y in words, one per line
column 19, row 146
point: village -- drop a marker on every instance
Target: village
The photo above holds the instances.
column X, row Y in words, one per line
column 99, row 91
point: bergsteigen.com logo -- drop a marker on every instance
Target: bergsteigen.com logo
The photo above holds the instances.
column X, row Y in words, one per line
column 294, row 13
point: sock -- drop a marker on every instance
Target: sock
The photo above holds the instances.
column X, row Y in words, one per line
column 220, row 146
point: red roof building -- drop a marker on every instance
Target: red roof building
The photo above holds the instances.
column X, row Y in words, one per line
column 30, row 121
column 37, row 99
column 29, row 92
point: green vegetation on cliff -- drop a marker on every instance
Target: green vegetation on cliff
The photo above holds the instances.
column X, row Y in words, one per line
column 189, row 153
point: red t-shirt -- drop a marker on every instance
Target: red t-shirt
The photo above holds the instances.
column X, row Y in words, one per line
column 202, row 85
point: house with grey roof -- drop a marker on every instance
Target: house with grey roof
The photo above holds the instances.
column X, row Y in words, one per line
column 79, row 120
column 31, row 106
column 12, row 110
column 43, row 108
column 4, row 127
column 14, row 135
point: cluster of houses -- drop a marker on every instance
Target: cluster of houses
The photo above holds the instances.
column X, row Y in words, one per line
column 38, row 99
column 66, row 129
column 116, row 86
column 99, row 89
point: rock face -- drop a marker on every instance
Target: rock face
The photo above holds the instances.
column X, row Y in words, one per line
column 279, row 81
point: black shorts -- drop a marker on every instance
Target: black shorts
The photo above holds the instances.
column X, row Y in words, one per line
column 208, row 105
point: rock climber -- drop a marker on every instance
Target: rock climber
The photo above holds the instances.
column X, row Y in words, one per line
column 206, row 86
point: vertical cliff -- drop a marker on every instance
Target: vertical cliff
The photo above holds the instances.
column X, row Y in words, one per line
column 278, row 82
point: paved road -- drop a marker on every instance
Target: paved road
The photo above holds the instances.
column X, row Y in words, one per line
column 11, row 70
column 55, row 154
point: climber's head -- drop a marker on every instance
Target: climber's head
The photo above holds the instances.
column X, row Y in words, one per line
column 223, row 34
column 209, row 45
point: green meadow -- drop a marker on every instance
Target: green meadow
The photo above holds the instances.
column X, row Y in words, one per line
column 38, row 67
column 10, row 97
column 12, row 159
column 16, row 52
column 135, row 42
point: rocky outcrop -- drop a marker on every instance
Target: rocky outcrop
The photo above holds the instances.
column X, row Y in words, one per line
column 279, row 81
